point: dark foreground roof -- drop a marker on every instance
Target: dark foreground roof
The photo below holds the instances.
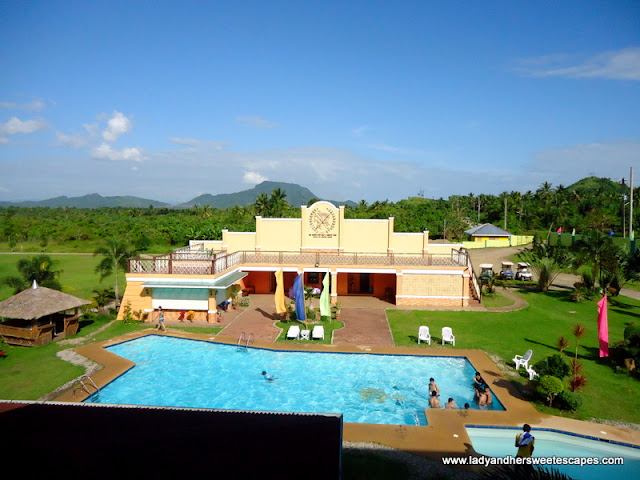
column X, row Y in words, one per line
column 91, row 441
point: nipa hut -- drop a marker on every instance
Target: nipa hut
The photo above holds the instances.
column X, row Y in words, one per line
column 34, row 316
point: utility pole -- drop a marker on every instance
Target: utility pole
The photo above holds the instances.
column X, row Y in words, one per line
column 624, row 209
column 631, row 202
column 505, row 210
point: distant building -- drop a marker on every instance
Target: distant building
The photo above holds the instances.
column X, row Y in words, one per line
column 487, row 232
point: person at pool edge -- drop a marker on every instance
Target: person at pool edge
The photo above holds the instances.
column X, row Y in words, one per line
column 267, row 376
column 524, row 442
column 161, row 320
column 433, row 401
column 450, row 404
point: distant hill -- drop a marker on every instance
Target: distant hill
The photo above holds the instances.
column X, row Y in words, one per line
column 93, row 200
column 595, row 185
column 296, row 196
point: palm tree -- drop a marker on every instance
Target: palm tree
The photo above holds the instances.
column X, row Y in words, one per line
column 116, row 255
column 278, row 202
column 39, row 268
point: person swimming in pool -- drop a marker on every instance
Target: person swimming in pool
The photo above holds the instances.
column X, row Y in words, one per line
column 433, row 387
column 267, row 376
column 433, row 401
column 450, row 404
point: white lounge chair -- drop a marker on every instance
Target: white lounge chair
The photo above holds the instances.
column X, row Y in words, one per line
column 424, row 335
column 318, row 332
column 523, row 360
column 293, row 332
column 447, row 335
column 532, row 373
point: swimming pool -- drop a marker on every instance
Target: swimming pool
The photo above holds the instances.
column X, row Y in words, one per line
column 499, row 442
column 365, row 388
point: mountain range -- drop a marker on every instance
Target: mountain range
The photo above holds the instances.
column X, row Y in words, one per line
column 296, row 196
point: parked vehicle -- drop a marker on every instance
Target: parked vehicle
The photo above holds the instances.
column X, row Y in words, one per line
column 524, row 272
column 486, row 272
column 507, row 271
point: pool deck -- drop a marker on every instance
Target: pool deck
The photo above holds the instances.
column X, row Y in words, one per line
column 445, row 435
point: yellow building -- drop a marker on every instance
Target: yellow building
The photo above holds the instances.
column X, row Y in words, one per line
column 363, row 257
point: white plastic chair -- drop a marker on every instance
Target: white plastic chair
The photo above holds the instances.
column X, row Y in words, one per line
column 304, row 334
column 424, row 335
column 523, row 360
column 447, row 335
column 532, row 373
column 318, row 332
column 293, row 332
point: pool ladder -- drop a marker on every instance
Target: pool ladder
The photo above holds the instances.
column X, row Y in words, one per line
column 81, row 385
column 247, row 341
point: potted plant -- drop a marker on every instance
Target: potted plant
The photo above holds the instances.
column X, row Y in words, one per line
column 337, row 307
column 287, row 314
column 235, row 291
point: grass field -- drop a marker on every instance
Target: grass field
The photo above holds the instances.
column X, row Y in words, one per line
column 77, row 277
column 608, row 395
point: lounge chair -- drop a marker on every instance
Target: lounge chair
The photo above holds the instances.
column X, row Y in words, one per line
column 532, row 373
column 424, row 335
column 523, row 360
column 318, row 332
column 447, row 335
column 293, row 332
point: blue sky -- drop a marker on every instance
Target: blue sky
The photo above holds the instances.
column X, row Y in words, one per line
column 354, row 99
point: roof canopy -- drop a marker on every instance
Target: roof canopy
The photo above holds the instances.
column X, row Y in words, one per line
column 38, row 302
column 220, row 283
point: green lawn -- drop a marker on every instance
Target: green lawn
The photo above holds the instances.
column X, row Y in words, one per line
column 329, row 327
column 608, row 395
column 496, row 299
column 77, row 277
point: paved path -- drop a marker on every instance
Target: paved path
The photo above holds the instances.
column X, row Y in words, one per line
column 363, row 326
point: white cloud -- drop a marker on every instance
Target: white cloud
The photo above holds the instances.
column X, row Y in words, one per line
column 254, row 178
column 569, row 164
column 618, row 64
column 116, row 126
column 75, row 141
column 107, row 152
column 358, row 132
column 15, row 126
column 254, row 121
column 197, row 144
column 34, row 106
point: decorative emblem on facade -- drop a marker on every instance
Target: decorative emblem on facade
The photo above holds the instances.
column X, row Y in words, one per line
column 322, row 220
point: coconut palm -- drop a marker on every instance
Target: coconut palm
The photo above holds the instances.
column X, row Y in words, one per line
column 40, row 268
column 115, row 256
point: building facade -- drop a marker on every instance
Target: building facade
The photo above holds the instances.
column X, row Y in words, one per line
column 362, row 256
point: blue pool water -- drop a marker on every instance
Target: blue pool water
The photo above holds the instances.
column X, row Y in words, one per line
column 499, row 442
column 365, row 388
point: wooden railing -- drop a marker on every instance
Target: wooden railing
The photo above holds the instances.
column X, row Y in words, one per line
column 205, row 263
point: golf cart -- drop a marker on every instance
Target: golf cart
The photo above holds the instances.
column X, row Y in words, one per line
column 486, row 272
column 524, row 272
column 507, row 271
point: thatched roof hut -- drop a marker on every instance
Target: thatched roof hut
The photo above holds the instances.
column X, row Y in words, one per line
column 31, row 313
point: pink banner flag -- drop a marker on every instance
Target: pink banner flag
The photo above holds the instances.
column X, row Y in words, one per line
column 559, row 230
column 603, row 327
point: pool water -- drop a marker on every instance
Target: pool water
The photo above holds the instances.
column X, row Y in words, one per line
column 365, row 388
column 499, row 442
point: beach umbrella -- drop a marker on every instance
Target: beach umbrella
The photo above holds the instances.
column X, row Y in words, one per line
column 279, row 296
column 325, row 297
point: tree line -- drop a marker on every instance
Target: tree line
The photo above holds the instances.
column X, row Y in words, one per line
column 591, row 204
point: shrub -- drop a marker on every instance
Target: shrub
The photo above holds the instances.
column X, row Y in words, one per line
column 549, row 387
column 569, row 401
column 553, row 365
column 632, row 331
column 577, row 382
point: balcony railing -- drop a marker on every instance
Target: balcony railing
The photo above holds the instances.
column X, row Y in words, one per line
column 206, row 263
